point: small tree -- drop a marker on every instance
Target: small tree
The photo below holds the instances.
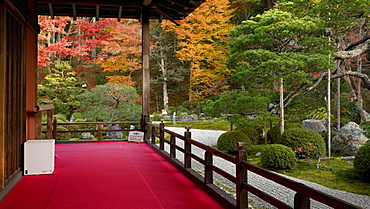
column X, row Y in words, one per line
column 111, row 103
column 62, row 88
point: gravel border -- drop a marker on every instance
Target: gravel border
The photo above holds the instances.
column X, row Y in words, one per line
column 280, row 192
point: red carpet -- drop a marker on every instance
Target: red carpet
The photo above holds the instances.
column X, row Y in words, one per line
column 108, row 175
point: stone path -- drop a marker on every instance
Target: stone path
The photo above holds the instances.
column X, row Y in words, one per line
column 209, row 138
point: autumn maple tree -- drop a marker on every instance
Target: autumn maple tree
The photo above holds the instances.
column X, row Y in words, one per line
column 121, row 53
column 203, row 38
column 63, row 38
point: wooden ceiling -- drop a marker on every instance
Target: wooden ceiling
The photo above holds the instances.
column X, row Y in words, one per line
column 158, row 9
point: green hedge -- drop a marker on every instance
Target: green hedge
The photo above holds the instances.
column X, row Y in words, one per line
column 273, row 135
column 278, row 156
column 306, row 143
column 362, row 162
column 227, row 142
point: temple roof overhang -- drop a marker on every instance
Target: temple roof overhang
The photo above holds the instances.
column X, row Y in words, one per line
column 132, row 9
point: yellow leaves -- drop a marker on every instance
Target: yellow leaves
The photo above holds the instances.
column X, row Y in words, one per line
column 120, row 80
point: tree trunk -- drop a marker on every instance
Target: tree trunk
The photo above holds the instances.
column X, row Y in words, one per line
column 163, row 69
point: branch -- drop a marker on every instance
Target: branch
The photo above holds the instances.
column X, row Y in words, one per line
column 365, row 79
column 352, row 53
column 297, row 91
column 349, row 47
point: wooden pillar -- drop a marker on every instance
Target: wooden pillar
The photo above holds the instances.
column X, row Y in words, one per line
column 146, row 69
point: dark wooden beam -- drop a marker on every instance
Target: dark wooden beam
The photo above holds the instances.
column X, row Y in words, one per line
column 74, row 11
column 119, row 14
column 97, row 12
column 147, row 2
column 51, row 11
column 164, row 14
column 94, row 2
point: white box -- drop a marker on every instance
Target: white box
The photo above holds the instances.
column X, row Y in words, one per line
column 39, row 156
column 136, row 136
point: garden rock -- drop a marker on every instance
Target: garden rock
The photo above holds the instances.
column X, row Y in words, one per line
column 87, row 135
column 365, row 116
column 184, row 117
column 167, row 118
column 316, row 125
column 349, row 139
column 114, row 135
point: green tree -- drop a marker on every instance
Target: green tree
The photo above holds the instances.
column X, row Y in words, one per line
column 241, row 109
column 277, row 45
column 111, row 103
column 62, row 88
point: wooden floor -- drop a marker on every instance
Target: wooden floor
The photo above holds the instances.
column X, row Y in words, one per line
column 108, row 175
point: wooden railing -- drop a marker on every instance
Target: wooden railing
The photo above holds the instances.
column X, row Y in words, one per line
column 303, row 193
column 99, row 128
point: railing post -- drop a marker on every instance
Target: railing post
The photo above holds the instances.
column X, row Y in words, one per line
column 301, row 201
column 153, row 135
column 161, row 135
column 143, row 126
column 99, row 132
column 241, row 177
column 55, row 129
column 49, row 124
column 172, row 147
column 208, row 173
column 187, row 160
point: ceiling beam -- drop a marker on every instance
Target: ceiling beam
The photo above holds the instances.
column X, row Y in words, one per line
column 97, row 13
column 74, row 11
column 170, row 8
column 119, row 14
column 164, row 14
column 128, row 3
column 51, row 11
column 147, row 2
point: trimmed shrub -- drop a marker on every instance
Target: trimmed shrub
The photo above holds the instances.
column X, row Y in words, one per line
column 278, row 156
column 366, row 127
column 157, row 117
column 306, row 143
column 77, row 115
column 73, row 128
column 252, row 133
column 63, row 136
column 226, row 142
column 273, row 135
column 61, row 118
column 362, row 162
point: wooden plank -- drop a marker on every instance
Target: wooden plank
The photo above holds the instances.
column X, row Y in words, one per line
column 3, row 44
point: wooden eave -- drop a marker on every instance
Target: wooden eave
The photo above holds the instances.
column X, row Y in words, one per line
column 158, row 9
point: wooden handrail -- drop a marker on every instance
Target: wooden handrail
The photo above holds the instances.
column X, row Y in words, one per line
column 303, row 192
column 98, row 124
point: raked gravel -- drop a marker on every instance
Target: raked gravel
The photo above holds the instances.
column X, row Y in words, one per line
column 209, row 138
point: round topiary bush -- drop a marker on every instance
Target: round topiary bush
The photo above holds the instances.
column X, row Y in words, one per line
column 273, row 135
column 278, row 156
column 306, row 143
column 226, row 142
column 362, row 162
column 252, row 133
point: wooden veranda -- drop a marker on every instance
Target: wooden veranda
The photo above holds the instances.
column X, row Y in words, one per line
column 18, row 62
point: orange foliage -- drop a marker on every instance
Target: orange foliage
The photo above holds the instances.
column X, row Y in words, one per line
column 122, row 52
column 203, row 39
